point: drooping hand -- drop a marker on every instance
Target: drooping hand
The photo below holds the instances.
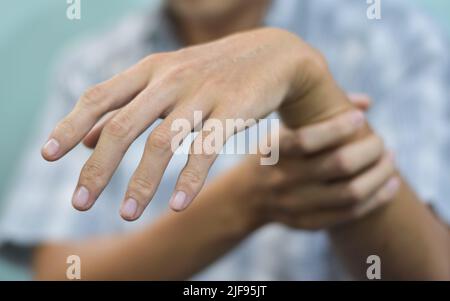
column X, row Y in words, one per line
column 245, row 76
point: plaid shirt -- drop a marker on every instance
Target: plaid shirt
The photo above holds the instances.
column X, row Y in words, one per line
column 401, row 60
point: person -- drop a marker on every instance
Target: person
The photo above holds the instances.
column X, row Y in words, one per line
column 360, row 171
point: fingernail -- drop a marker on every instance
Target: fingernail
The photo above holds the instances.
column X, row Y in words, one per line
column 129, row 209
column 81, row 198
column 358, row 118
column 51, row 148
column 179, row 201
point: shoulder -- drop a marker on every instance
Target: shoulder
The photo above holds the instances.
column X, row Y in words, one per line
column 373, row 54
column 401, row 24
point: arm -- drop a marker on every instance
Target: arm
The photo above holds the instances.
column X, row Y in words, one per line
column 223, row 217
column 411, row 242
column 176, row 247
column 247, row 75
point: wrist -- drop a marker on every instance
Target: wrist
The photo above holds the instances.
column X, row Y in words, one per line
column 309, row 70
column 314, row 94
column 302, row 66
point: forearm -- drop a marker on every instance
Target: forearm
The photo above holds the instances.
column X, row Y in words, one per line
column 176, row 247
column 410, row 240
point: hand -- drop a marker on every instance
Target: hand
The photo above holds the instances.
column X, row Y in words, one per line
column 323, row 181
column 245, row 76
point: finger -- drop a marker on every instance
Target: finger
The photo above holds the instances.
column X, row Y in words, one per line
column 305, row 199
column 289, row 144
column 342, row 163
column 94, row 103
column 204, row 151
column 333, row 218
column 361, row 188
column 115, row 139
column 384, row 195
column 348, row 160
column 338, row 195
column 329, row 218
column 318, row 137
column 159, row 149
column 92, row 137
column 361, row 101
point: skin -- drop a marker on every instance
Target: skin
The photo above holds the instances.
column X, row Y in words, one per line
column 201, row 21
column 213, row 78
column 173, row 86
column 313, row 157
column 208, row 11
column 185, row 246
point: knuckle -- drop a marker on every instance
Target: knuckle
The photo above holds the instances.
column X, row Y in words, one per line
column 159, row 141
column 119, row 126
column 343, row 164
column 205, row 157
column 124, row 76
column 93, row 173
column 303, row 143
column 354, row 193
column 182, row 69
column 142, row 186
column 341, row 129
column 183, row 52
column 94, row 95
column 153, row 59
column 176, row 73
column 191, row 176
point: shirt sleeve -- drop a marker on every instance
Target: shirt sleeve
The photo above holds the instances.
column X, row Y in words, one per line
column 37, row 207
column 410, row 68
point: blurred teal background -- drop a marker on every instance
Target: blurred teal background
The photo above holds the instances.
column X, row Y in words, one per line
column 31, row 34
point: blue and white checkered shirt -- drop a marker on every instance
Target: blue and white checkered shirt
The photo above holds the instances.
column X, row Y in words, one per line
column 402, row 61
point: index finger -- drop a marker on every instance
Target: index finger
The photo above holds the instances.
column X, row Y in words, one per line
column 94, row 103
